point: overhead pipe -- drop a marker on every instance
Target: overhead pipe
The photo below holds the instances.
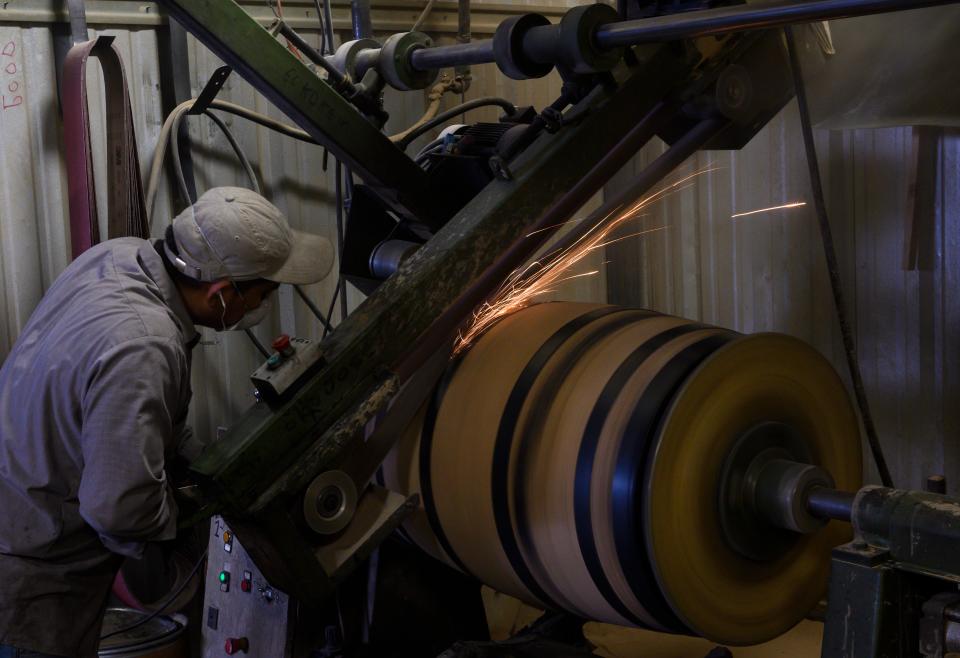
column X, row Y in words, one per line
column 462, row 71
column 461, row 54
column 754, row 16
column 360, row 19
column 722, row 20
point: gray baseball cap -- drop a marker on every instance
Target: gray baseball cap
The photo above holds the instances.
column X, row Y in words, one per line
column 234, row 233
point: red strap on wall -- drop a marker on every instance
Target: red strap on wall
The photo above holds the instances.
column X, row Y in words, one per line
column 126, row 214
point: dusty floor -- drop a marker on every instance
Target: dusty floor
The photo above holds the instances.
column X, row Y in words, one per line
column 507, row 615
column 803, row 641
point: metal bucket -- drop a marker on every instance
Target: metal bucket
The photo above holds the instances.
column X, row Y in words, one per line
column 161, row 637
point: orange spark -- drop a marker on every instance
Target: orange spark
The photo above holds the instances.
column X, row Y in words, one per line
column 523, row 285
column 551, row 227
column 633, row 235
column 795, row 204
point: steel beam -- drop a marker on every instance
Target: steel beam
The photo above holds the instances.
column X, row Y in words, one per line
column 226, row 29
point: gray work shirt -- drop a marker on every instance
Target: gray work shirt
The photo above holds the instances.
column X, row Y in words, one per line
column 93, row 399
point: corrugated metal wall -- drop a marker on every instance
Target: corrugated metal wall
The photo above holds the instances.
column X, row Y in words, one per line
column 32, row 196
column 766, row 272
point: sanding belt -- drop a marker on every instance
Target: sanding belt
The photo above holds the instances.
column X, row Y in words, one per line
column 126, row 210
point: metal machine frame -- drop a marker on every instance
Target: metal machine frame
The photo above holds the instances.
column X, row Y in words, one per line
column 277, row 453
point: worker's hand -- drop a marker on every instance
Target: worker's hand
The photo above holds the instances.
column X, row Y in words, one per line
column 164, row 568
column 178, row 471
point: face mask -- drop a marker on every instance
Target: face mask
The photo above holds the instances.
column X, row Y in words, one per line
column 250, row 318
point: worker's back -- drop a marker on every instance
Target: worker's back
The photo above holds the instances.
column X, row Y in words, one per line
column 92, row 397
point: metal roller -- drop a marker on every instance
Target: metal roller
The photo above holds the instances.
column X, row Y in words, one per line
column 622, row 465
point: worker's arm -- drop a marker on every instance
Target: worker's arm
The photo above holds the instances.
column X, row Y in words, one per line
column 189, row 445
column 132, row 398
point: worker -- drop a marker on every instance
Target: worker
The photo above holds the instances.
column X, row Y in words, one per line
column 93, row 404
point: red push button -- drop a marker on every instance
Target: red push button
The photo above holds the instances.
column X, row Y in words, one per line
column 245, row 585
column 282, row 345
column 235, row 644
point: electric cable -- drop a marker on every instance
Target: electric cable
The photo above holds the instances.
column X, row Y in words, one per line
column 323, row 31
column 438, row 145
column 429, row 147
column 313, row 307
column 156, row 166
column 327, row 327
column 422, row 159
column 170, row 599
column 235, row 145
column 328, row 25
column 346, row 203
column 262, row 119
column 435, row 97
column 486, row 101
column 256, row 343
column 833, row 267
column 373, row 568
column 348, row 184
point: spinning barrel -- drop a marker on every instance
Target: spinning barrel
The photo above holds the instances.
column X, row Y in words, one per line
column 589, row 458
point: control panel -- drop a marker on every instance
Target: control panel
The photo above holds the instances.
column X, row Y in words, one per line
column 291, row 359
column 243, row 614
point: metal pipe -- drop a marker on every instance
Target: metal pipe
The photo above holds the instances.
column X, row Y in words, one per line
column 781, row 488
column 360, row 19
column 829, row 503
column 753, row 16
column 328, row 26
column 538, row 45
column 460, row 54
column 463, row 37
column 463, row 21
column 366, row 60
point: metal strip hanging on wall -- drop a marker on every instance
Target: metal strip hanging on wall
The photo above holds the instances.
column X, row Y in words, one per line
column 126, row 210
